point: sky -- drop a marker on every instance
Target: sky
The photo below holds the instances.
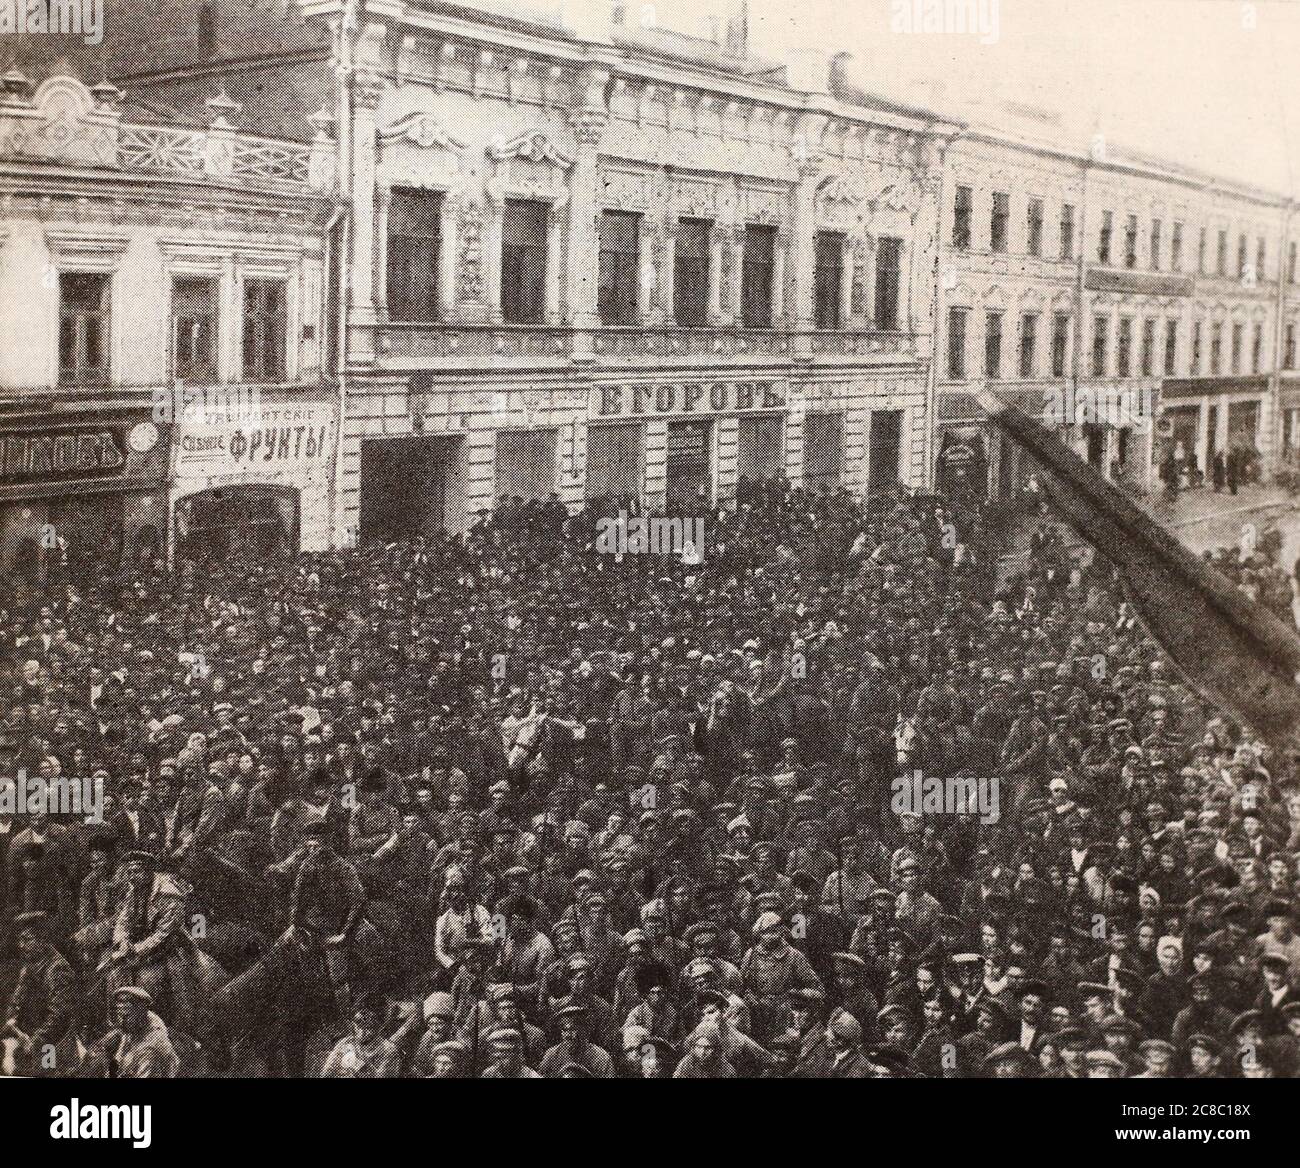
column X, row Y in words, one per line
column 1214, row 84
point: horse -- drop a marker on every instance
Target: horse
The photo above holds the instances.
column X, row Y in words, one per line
column 909, row 742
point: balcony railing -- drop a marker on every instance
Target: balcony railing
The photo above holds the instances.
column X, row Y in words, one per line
column 65, row 122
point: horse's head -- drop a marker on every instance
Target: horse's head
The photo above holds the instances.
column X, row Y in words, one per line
column 905, row 740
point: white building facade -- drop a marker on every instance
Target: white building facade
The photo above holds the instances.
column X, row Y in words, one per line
column 164, row 333
column 619, row 264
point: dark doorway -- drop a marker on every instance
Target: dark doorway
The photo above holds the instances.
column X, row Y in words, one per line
column 886, row 446
column 256, row 521
column 403, row 488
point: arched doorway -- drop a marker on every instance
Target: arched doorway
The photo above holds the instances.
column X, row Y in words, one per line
column 253, row 520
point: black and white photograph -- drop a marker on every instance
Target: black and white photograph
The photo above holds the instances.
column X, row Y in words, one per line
column 685, row 539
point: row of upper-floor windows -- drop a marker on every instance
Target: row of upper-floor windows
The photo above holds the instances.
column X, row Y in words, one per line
column 413, row 267
column 1118, row 243
column 85, row 318
column 1142, row 347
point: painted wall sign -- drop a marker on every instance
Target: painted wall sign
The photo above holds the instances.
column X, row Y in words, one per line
column 688, row 397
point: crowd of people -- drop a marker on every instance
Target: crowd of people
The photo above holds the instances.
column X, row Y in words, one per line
column 505, row 806
column 1260, row 575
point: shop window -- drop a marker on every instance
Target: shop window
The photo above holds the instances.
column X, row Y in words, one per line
column 525, row 465
column 823, row 450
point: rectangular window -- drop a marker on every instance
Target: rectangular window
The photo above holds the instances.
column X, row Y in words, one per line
column 1201, row 253
column 1176, row 248
column 1100, row 328
column 1241, row 256
column 888, row 260
column 1196, row 348
column 957, row 343
column 998, row 221
column 993, row 345
column 1288, row 353
column 1171, row 347
column 1216, row 349
column 691, row 273
column 1124, row 347
column 828, row 277
column 1103, row 238
column 1148, row 347
column 414, row 248
column 1291, row 264
column 194, row 329
column 523, row 261
column 1257, row 349
column 265, row 330
column 961, row 214
column 1221, row 256
column 1034, row 228
column 1028, row 343
column 823, row 449
column 1261, row 258
column 1156, row 226
column 83, row 328
column 1237, row 331
column 1060, row 342
column 1067, row 231
column 620, row 241
column 759, row 268
column 1131, row 242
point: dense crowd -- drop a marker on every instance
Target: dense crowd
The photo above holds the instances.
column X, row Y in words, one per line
column 504, row 806
column 1260, row 575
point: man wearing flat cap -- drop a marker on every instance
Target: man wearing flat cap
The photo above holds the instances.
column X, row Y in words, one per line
column 813, row 1056
column 572, row 1023
column 1009, row 1060
column 42, row 1010
column 138, row 1046
column 507, row 1054
column 770, row 970
column 153, row 947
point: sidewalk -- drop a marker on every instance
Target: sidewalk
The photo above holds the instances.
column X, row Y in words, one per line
column 1205, row 518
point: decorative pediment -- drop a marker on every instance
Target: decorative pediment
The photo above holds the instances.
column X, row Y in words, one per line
column 534, row 146
column 421, row 128
column 836, row 190
column 897, row 196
